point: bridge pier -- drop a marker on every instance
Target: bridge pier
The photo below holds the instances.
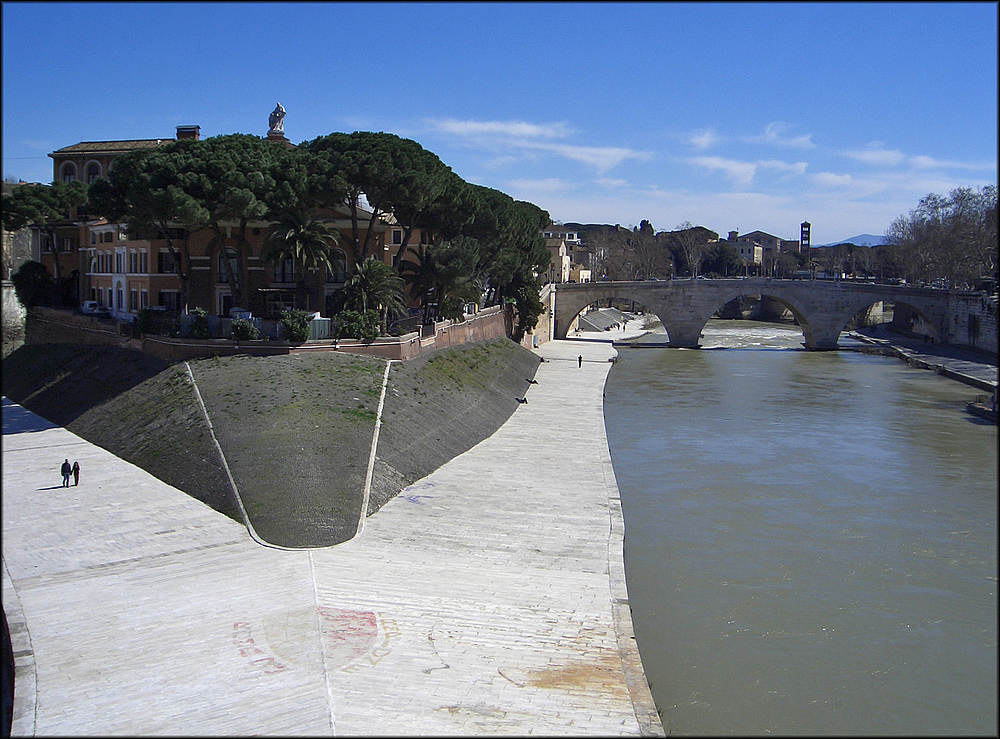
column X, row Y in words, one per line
column 683, row 334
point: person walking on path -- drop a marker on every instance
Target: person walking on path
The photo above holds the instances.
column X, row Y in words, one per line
column 579, row 361
column 76, row 473
column 66, row 472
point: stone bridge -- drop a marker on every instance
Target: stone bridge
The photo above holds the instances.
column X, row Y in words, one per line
column 822, row 307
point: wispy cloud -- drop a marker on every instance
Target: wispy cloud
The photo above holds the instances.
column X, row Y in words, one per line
column 601, row 157
column 703, row 140
column 829, row 179
column 798, row 168
column 741, row 172
column 519, row 129
column 774, row 135
column 926, row 162
column 876, row 155
column 527, row 137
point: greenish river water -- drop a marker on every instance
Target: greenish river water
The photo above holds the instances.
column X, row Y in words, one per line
column 811, row 538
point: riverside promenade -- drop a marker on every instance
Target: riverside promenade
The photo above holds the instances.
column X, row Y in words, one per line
column 489, row 597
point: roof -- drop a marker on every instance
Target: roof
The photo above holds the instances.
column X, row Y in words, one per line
column 109, row 147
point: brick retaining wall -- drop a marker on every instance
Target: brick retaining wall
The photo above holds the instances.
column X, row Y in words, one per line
column 50, row 326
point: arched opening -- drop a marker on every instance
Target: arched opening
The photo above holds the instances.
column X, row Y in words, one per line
column 881, row 319
column 616, row 318
column 67, row 172
column 753, row 320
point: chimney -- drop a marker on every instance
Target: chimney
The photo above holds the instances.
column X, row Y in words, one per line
column 733, row 235
column 188, row 132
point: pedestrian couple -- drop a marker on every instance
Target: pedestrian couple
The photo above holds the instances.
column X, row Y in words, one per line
column 68, row 470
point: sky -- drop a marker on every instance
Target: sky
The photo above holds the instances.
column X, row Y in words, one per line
column 728, row 115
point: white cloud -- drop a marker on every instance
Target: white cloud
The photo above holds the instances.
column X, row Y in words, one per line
column 603, row 158
column 829, row 179
column 520, row 129
column 876, row 155
column 926, row 162
column 741, row 172
column 773, row 135
column 704, row 139
column 792, row 167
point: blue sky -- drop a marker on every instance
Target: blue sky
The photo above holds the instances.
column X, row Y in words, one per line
column 732, row 116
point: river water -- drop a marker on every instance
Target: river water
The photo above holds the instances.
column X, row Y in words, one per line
column 811, row 538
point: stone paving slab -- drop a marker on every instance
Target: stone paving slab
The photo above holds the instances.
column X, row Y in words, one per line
column 489, row 597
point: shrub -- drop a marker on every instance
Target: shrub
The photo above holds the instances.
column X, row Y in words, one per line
column 354, row 325
column 199, row 325
column 245, row 330
column 296, row 325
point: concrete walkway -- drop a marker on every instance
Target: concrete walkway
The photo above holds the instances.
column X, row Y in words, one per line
column 487, row 598
column 974, row 368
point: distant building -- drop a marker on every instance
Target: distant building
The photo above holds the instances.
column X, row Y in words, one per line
column 570, row 263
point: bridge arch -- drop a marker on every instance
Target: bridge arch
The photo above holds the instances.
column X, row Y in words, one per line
column 573, row 305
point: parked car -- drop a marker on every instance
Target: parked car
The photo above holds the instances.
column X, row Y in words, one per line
column 93, row 308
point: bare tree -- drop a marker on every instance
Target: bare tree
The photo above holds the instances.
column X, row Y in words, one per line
column 693, row 243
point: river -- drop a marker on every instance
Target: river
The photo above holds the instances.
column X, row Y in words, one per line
column 811, row 538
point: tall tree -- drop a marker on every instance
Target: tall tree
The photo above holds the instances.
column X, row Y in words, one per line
column 142, row 191
column 45, row 207
column 445, row 273
column 233, row 179
column 693, row 244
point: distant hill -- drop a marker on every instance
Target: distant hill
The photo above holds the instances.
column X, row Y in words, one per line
column 859, row 240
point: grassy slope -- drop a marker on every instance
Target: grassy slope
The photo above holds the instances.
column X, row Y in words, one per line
column 296, row 430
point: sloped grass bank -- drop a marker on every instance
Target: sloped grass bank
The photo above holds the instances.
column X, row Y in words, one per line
column 296, row 430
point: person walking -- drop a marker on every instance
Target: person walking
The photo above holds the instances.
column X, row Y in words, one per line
column 76, row 473
column 66, row 472
column 579, row 361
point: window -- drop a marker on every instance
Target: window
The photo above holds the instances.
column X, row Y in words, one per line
column 93, row 172
column 165, row 263
column 111, row 298
column 120, row 303
column 397, row 237
column 67, row 244
column 168, row 299
column 93, row 238
column 225, row 276
column 133, row 300
column 67, row 172
column 285, row 271
column 133, row 265
column 143, row 262
column 144, row 299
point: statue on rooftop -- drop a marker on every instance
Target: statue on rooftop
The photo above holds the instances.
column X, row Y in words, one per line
column 276, row 121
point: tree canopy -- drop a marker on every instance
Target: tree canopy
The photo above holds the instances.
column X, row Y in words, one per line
column 952, row 238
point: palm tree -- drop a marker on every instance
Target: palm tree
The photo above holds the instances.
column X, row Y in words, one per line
column 375, row 286
column 445, row 273
column 308, row 242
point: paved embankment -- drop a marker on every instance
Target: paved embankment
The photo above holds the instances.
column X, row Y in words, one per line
column 487, row 598
column 973, row 368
